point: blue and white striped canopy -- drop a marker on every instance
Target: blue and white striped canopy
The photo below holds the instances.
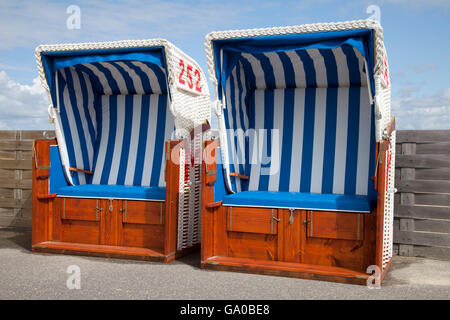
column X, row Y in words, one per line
column 54, row 61
column 114, row 115
column 271, row 61
column 299, row 111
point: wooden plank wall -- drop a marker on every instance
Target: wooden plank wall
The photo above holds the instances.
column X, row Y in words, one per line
column 422, row 208
column 422, row 211
column 15, row 176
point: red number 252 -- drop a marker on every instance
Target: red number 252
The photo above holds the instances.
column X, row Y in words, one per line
column 190, row 82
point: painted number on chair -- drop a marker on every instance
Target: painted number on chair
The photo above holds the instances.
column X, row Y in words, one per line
column 385, row 73
column 189, row 78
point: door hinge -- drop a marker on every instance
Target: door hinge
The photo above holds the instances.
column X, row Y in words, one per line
column 97, row 210
column 358, row 231
column 111, row 208
column 124, row 210
column 168, row 151
column 272, row 220
column 64, row 208
column 291, row 216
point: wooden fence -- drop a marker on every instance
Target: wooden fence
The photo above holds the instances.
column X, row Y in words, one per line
column 15, row 176
column 422, row 211
column 422, row 208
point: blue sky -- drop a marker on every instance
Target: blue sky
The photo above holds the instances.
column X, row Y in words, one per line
column 416, row 37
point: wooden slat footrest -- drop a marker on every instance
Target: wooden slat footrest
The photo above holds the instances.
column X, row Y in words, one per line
column 290, row 269
column 99, row 250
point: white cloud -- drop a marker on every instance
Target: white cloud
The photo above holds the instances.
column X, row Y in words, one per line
column 421, row 113
column 22, row 106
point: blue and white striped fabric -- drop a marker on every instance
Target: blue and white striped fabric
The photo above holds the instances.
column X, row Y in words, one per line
column 77, row 105
column 110, row 113
column 130, row 144
column 317, row 101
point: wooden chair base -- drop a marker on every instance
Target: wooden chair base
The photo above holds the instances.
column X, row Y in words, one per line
column 286, row 269
column 334, row 246
column 113, row 228
column 114, row 252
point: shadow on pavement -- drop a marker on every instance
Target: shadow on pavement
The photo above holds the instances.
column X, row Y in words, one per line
column 20, row 238
column 15, row 238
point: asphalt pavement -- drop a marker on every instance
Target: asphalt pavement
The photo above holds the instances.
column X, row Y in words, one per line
column 27, row 275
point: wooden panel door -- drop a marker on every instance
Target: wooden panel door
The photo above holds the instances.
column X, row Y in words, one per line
column 142, row 224
column 110, row 222
column 90, row 221
column 335, row 239
column 252, row 220
column 291, row 235
column 252, row 233
column 110, row 233
column 78, row 220
column 335, row 225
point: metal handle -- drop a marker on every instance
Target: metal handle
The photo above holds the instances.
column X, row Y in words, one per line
column 97, row 210
column 111, row 205
column 124, row 210
column 273, row 216
column 271, row 221
column 291, row 217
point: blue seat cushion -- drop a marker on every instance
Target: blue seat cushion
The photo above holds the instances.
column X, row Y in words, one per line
column 113, row 192
column 301, row 200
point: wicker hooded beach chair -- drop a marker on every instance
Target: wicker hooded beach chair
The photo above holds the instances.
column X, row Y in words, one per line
column 116, row 182
column 303, row 184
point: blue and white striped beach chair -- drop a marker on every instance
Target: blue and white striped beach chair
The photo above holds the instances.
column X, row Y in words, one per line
column 114, row 106
column 301, row 112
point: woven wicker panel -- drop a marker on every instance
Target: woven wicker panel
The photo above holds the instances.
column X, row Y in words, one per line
column 389, row 203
